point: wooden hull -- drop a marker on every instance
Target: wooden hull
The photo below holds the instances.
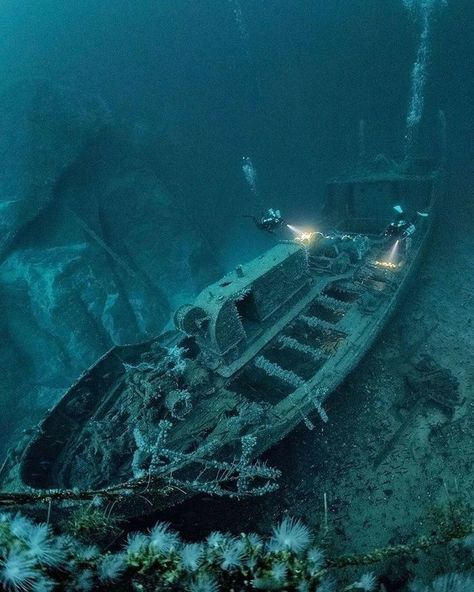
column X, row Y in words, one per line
column 289, row 376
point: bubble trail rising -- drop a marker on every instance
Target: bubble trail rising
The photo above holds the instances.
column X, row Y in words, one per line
column 250, row 174
column 239, row 18
column 424, row 10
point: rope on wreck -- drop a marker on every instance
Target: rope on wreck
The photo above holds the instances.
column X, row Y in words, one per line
column 19, row 498
column 377, row 555
column 114, row 494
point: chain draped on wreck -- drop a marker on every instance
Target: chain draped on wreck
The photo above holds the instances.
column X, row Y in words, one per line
column 157, row 467
column 230, row 479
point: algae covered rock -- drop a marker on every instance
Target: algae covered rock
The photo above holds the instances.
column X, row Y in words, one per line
column 66, row 307
column 95, row 250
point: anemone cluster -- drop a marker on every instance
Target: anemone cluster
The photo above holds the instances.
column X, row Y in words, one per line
column 34, row 559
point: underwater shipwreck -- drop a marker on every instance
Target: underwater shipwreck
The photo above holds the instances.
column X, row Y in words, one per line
column 299, row 421
column 256, row 353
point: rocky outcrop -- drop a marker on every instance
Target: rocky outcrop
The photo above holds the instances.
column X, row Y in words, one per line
column 156, row 234
column 43, row 128
column 94, row 251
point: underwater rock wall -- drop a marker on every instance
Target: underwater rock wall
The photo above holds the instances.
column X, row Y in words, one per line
column 42, row 130
column 94, row 250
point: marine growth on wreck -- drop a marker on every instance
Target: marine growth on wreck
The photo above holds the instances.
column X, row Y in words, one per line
column 235, row 285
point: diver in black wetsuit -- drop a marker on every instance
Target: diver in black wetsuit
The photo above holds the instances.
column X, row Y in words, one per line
column 401, row 228
column 269, row 221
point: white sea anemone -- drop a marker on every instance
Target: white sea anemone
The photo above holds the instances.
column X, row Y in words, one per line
column 232, row 554
column 111, row 568
column 84, row 581
column 315, row 560
column 42, row 547
column 87, row 552
column 136, row 542
column 20, row 526
column 191, row 556
column 66, row 542
column 367, row 582
column 163, row 540
column 215, row 539
column 204, row 583
column 290, row 535
column 254, row 540
column 279, row 572
column 17, row 571
column 43, row 584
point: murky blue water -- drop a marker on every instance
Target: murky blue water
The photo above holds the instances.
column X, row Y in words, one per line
column 139, row 140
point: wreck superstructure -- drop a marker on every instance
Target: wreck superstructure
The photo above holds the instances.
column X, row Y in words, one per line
column 230, row 318
column 254, row 355
column 364, row 202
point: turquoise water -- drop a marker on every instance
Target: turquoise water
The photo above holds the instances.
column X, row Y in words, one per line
column 138, row 140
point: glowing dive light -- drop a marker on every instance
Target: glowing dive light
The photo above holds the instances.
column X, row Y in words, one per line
column 305, row 237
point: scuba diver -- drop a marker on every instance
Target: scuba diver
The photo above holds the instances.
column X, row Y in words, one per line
column 402, row 228
column 269, row 221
